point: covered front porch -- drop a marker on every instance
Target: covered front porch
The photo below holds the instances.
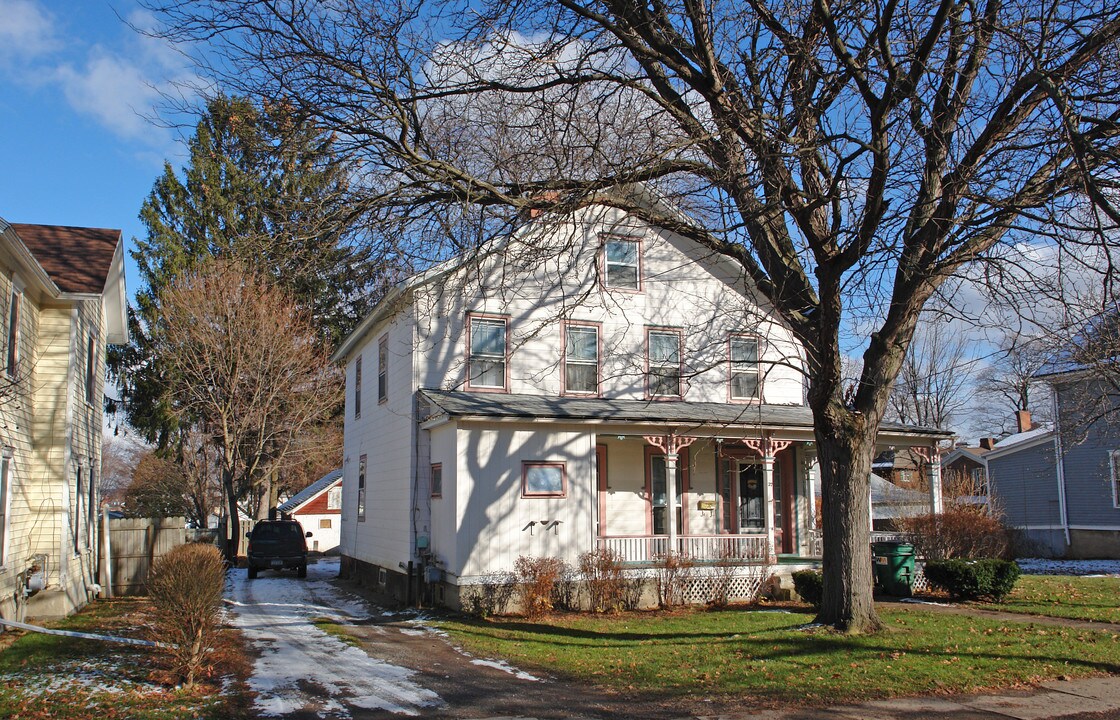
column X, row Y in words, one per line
column 715, row 499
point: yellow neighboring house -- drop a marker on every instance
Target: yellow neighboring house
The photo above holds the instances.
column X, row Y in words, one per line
column 62, row 295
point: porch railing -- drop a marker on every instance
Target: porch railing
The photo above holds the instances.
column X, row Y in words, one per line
column 701, row 548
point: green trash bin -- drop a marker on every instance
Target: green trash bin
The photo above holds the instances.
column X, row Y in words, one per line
column 894, row 567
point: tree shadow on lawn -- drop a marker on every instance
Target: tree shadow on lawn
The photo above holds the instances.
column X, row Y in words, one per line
column 776, row 643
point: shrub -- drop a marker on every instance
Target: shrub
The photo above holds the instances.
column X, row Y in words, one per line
column 491, row 596
column 602, row 574
column 973, row 579
column 565, row 593
column 536, row 578
column 674, row 576
column 186, row 586
column 958, row 533
column 809, row 585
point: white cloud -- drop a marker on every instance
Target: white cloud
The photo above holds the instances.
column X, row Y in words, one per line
column 112, row 90
column 26, row 32
column 119, row 78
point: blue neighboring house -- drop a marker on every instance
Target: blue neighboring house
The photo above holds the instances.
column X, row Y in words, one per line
column 1060, row 484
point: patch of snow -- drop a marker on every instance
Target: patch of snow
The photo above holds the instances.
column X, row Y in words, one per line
column 1092, row 568
column 507, row 668
column 916, row 601
column 303, row 668
column 411, row 631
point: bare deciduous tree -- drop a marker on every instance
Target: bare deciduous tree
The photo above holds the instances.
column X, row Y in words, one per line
column 930, row 389
column 246, row 370
column 1009, row 384
column 850, row 157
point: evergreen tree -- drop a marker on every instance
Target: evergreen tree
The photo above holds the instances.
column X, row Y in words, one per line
column 263, row 188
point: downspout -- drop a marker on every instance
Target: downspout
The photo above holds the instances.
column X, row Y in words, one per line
column 1059, row 466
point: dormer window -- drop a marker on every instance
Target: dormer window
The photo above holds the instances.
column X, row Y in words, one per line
column 743, row 370
column 487, row 345
column 622, row 263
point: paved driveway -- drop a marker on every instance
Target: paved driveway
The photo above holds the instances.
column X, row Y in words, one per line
column 400, row 667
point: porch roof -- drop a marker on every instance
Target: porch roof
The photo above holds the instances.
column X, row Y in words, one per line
column 459, row 403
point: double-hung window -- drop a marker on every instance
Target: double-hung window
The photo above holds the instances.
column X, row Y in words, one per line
column 581, row 359
column 362, row 488
column 743, row 357
column 487, row 345
column 5, row 492
column 1114, row 463
column 436, row 480
column 358, row 387
column 383, row 369
column 622, row 263
column 664, row 358
column 91, row 366
column 14, row 308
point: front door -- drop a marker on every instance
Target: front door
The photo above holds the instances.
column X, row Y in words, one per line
column 743, row 499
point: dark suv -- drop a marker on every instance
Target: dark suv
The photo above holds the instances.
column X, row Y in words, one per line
column 275, row 545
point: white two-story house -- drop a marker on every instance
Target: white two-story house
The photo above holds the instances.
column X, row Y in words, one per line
column 590, row 381
column 62, row 295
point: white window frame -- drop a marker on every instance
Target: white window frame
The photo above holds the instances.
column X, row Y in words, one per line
column 736, row 368
column 473, row 356
column 651, row 366
column 581, row 362
column 1114, row 467
column 15, row 330
column 334, row 498
column 362, row 488
column 5, row 503
column 608, row 264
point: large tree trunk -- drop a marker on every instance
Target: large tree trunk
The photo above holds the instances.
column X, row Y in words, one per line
column 845, row 450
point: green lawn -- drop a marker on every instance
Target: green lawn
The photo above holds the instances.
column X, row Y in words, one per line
column 1065, row 596
column 770, row 656
column 47, row 676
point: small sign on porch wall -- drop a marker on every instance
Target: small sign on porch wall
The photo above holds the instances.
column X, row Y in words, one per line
column 708, row 505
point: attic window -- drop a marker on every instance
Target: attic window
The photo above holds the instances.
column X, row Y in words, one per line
column 743, row 357
column 622, row 263
column 663, row 348
column 334, row 498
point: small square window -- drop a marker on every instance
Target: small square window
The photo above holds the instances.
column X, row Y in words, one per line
column 324, row 523
column 622, row 263
column 543, row 479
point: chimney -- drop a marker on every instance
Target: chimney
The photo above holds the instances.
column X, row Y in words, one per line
column 987, row 443
column 1023, row 420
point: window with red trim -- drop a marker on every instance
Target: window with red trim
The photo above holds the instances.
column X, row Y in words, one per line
column 544, row 479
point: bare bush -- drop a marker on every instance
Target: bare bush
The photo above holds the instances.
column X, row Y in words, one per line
column 536, row 578
column 958, row 533
column 490, row 597
column 674, row 576
column 565, row 593
column 602, row 574
column 186, row 586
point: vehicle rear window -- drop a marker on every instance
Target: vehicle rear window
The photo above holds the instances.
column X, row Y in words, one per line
column 274, row 531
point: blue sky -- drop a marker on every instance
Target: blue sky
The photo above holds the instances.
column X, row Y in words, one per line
column 77, row 86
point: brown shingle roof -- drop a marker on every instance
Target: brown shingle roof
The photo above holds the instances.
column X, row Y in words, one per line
column 77, row 259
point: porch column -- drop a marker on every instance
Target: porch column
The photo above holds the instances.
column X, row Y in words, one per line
column 671, row 445
column 767, row 448
column 671, row 496
column 933, row 473
column 768, row 491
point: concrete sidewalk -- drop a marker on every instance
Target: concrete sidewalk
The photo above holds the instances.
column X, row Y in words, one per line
column 1094, row 697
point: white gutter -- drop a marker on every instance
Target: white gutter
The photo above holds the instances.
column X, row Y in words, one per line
column 1060, row 469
